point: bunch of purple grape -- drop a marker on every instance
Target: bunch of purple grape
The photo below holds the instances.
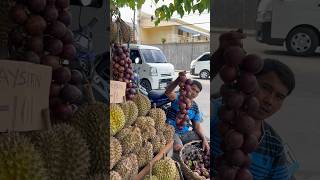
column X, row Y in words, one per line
column 184, row 101
column 41, row 30
column 42, row 36
column 239, row 104
column 122, row 69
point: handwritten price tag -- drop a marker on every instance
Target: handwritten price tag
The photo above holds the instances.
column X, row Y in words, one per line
column 117, row 91
column 24, row 94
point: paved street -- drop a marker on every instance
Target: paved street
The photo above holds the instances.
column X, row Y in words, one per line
column 204, row 103
column 298, row 121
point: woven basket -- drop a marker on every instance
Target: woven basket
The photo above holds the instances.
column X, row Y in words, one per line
column 187, row 172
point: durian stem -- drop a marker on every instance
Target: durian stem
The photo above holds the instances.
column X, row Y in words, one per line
column 89, row 93
column 150, row 172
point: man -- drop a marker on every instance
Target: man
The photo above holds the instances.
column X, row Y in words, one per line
column 184, row 134
column 270, row 160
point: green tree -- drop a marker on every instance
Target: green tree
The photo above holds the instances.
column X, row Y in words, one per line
column 165, row 12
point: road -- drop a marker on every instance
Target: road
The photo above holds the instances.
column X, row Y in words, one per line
column 204, row 103
column 298, row 120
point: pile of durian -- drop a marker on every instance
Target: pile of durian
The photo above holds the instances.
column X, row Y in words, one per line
column 76, row 150
column 60, row 153
column 138, row 133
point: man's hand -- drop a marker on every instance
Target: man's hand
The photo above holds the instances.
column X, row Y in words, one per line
column 182, row 76
column 226, row 40
column 232, row 38
column 170, row 88
column 205, row 146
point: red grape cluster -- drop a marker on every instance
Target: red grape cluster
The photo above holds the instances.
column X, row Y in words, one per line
column 237, row 125
column 41, row 30
column 122, row 69
column 41, row 35
column 184, row 101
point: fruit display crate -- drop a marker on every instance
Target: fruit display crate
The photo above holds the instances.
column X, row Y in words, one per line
column 146, row 170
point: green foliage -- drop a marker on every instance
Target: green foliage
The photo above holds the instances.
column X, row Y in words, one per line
column 165, row 12
column 182, row 7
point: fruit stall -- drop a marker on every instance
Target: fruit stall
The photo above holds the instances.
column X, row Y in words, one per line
column 51, row 125
column 140, row 135
column 139, row 132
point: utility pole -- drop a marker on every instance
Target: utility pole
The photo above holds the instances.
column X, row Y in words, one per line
column 139, row 27
column 134, row 25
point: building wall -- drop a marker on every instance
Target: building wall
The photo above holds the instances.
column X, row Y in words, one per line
column 154, row 35
column 234, row 13
column 181, row 54
column 170, row 33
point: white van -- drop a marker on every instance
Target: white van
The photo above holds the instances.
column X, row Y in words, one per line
column 201, row 66
column 295, row 23
column 152, row 66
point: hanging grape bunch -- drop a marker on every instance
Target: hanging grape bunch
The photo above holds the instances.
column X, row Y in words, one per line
column 237, row 125
column 41, row 35
column 122, row 69
column 184, row 101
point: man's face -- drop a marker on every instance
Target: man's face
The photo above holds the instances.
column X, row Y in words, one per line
column 194, row 91
column 270, row 95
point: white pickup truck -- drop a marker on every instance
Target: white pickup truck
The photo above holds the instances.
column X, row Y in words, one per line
column 295, row 23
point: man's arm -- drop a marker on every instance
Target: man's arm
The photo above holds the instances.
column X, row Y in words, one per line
column 170, row 88
column 199, row 131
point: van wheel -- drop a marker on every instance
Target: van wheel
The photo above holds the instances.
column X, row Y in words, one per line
column 204, row 74
column 302, row 41
column 146, row 84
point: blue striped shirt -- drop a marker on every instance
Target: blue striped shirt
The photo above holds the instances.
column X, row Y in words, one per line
column 270, row 161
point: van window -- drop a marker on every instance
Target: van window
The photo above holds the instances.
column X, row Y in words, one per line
column 205, row 57
column 134, row 54
column 153, row 56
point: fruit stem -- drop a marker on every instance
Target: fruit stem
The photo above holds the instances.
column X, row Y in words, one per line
column 150, row 171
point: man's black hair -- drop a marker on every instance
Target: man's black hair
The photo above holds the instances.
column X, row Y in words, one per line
column 197, row 83
column 283, row 71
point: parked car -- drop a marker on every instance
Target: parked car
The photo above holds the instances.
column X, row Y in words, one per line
column 201, row 66
column 152, row 66
column 292, row 23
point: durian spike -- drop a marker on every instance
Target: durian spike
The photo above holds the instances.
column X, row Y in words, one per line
column 88, row 92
